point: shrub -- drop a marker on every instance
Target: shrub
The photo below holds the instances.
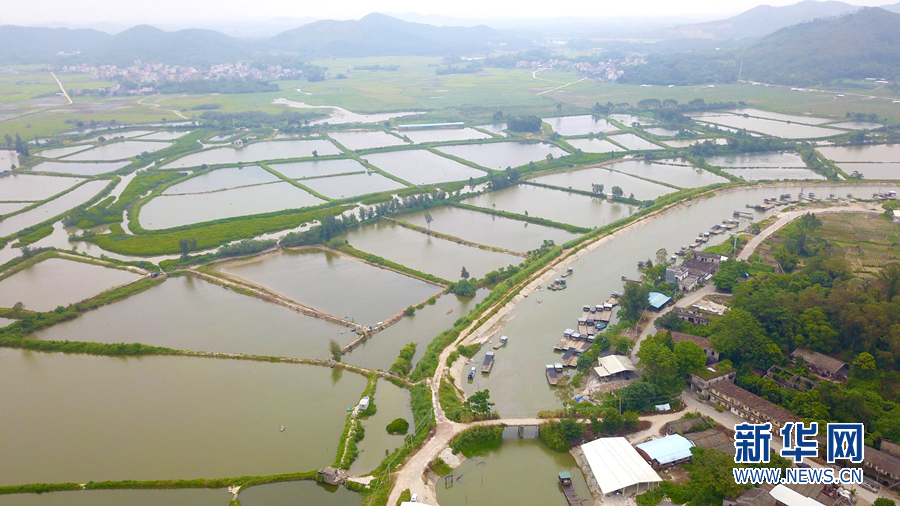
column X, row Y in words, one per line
column 398, row 427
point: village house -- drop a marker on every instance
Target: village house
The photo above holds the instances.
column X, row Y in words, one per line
column 712, row 356
column 748, row 406
column 823, row 365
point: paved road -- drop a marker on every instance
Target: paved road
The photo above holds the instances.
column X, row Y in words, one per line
column 687, row 300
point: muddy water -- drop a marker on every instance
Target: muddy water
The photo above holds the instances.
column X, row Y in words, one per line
column 360, row 139
column 501, row 155
column 419, row 251
column 147, row 418
column 422, row 167
column 420, row 328
column 556, row 205
column 269, row 150
column 79, row 168
column 221, row 179
column 521, row 471
column 335, row 284
column 193, row 497
column 666, row 171
column 339, row 187
column 392, row 403
column 302, row 493
column 483, row 228
column 119, row 150
column 585, row 179
column 579, row 125
column 190, row 314
column 33, row 187
column 57, row 282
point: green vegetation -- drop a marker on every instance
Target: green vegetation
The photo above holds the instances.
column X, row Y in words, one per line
column 561, row 435
column 521, row 217
column 33, row 236
column 477, row 440
column 403, row 364
column 398, row 427
column 440, row 468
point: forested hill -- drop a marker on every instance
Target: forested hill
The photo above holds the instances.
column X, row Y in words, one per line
column 373, row 35
column 865, row 43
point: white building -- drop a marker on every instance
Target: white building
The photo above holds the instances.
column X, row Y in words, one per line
column 618, row 467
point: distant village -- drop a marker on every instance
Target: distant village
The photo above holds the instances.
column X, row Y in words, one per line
column 608, row 71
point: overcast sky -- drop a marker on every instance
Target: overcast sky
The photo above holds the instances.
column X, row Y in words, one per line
column 204, row 11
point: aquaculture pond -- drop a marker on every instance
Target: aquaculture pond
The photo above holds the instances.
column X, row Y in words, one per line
column 885, row 153
column 316, row 168
column 392, row 402
column 585, row 179
column 810, row 120
column 192, row 497
column 772, row 174
column 662, row 132
column 333, row 283
column 629, row 120
column 79, row 168
column 255, row 152
column 489, row 229
column 363, row 139
column 168, row 211
column 338, row 187
column 500, row 155
column 52, row 208
column 771, row 127
column 633, row 142
column 118, row 150
column 683, row 143
column 579, row 125
column 308, row 493
column 872, row 170
column 443, row 135
column 495, row 128
column 58, row 282
column 8, row 207
column 112, row 134
column 424, row 253
column 597, row 145
column 419, row 166
column 164, row 136
column 186, row 313
column 672, row 172
column 33, row 187
column 521, row 471
column 8, row 158
column 59, row 152
column 162, row 417
column 770, row 160
column 554, row 205
column 221, row 179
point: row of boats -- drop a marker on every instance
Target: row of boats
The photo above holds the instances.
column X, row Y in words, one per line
column 578, row 340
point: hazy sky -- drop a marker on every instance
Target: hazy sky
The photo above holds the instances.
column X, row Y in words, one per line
column 190, row 11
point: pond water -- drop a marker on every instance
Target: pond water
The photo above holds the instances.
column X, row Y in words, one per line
column 315, row 168
column 484, row 228
column 421, row 328
column 164, row 136
column 57, row 282
column 521, row 471
column 194, row 497
column 302, row 493
column 495, row 128
column 779, row 159
column 53, row 208
column 187, row 313
column 425, row 253
column 5, row 321
column 221, row 179
column 256, row 152
column 584, row 179
column 857, row 125
column 757, row 174
column 168, row 211
column 633, row 142
column 555, row 205
column 775, row 128
column 392, row 403
column 810, row 120
column 58, row 152
column 119, row 150
column 537, row 323
column 443, row 135
column 339, row 187
column 79, row 168
column 594, row 145
column 500, row 155
column 683, row 143
column 331, row 283
column 8, row 159
column 873, row 170
column 118, row 133
column 629, row 120
column 361, row 139
column 666, row 171
column 662, row 132
column 874, row 153
column 159, row 417
column 33, row 187
column 340, row 116
column 11, row 206
column 419, row 166
column 579, row 125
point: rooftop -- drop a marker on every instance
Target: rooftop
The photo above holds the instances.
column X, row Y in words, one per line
column 617, row 465
column 882, row 462
column 658, row 300
column 613, row 364
column 667, row 449
column 699, row 341
column 765, row 408
column 820, row 361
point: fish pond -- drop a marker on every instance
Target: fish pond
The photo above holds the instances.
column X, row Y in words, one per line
column 317, row 168
column 362, row 139
column 118, row 150
column 633, row 142
column 579, row 125
column 33, row 187
column 584, row 179
column 79, row 168
column 52, row 208
column 419, row 166
column 443, row 135
column 594, row 145
column 221, row 179
column 392, row 403
column 668, row 171
column 771, row 160
column 338, row 187
column 500, row 155
column 258, row 151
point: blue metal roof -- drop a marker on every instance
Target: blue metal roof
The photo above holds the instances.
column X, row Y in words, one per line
column 667, row 449
column 658, row 300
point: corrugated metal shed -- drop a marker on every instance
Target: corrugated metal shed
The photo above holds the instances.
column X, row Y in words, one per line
column 615, row 464
column 666, row 450
column 658, row 300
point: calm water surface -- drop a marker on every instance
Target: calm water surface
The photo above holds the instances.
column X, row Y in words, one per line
column 682, row 175
column 877, row 153
column 633, row 142
column 33, row 187
column 771, row 127
column 392, row 402
column 119, row 150
column 315, row 168
column 58, row 152
column 79, row 168
column 500, row 155
column 53, row 208
column 186, row 313
column 268, row 150
column 758, row 174
column 220, row 179
column 299, row 493
column 768, row 160
column 351, row 185
column 584, row 179
column 594, row 145
column 360, row 139
column 579, row 125
column 193, row 497
column 419, row 166
column 443, row 134
column 157, row 417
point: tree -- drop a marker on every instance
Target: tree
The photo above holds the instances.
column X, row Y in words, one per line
column 315, row 153
column 565, row 391
column 881, row 501
column 558, row 107
column 463, row 288
column 661, row 256
column 498, row 116
column 660, row 366
column 597, row 188
column 864, row 367
column 18, row 307
column 9, row 140
column 633, row 301
column 617, row 192
column 639, row 396
column 712, row 479
column 428, row 220
column 690, row 357
column 334, row 348
column 668, row 321
column 464, row 273
column 730, row 271
column 612, row 421
column 480, row 404
column 21, row 146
